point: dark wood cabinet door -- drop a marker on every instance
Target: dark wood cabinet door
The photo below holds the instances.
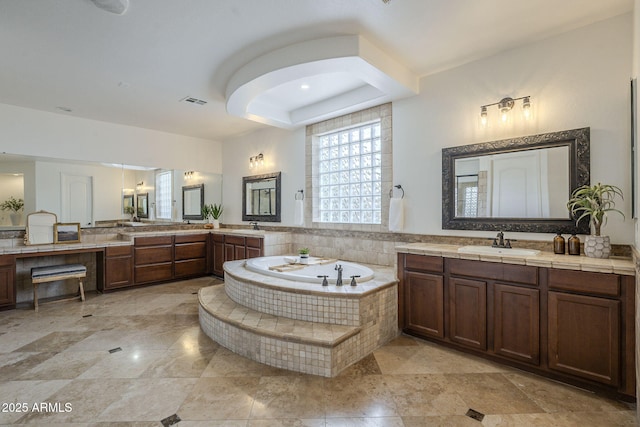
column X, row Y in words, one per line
column 239, row 252
column 468, row 312
column 218, row 257
column 7, row 295
column 584, row 336
column 516, row 314
column 424, row 303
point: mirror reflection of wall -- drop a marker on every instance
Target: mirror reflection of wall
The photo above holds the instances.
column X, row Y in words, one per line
column 11, row 185
column 111, row 183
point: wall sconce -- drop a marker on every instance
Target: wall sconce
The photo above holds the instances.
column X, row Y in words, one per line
column 139, row 185
column 505, row 105
column 256, row 161
column 188, row 175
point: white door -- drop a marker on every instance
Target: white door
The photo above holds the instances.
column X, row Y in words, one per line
column 77, row 199
column 516, row 186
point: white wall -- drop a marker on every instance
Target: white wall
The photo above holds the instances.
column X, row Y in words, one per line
column 283, row 151
column 38, row 133
column 577, row 79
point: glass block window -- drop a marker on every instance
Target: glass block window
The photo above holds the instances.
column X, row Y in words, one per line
column 350, row 175
column 164, row 196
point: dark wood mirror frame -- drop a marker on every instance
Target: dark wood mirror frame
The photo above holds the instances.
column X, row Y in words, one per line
column 257, row 178
column 577, row 140
column 192, row 188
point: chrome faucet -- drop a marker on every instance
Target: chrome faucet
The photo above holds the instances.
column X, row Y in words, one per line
column 338, row 268
column 255, row 225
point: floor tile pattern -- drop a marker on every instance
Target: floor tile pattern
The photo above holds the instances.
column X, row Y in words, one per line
column 56, row 370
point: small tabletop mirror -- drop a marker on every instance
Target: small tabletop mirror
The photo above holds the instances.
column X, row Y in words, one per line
column 39, row 229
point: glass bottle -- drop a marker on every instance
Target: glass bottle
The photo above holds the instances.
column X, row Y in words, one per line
column 574, row 245
column 558, row 244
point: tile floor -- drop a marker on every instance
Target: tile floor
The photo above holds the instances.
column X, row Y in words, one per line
column 60, row 357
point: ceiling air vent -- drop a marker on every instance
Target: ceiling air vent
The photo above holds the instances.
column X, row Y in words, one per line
column 193, row 100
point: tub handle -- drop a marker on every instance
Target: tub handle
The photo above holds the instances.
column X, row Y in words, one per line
column 324, row 280
column 353, row 280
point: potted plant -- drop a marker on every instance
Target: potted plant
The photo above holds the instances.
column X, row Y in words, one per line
column 213, row 212
column 129, row 210
column 304, row 255
column 595, row 202
column 14, row 206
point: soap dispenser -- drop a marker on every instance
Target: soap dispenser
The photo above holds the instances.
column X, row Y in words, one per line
column 574, row 245
column 558, row 244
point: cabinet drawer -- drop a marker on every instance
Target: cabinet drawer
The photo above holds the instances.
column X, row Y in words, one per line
column 192, row 267
column 424, row 263
column 584, row 282
column 153, row 255
column 234, row 240
column 217, row 237
column 191, row 250
column 154, row 273
column 7, row 260
column 112, row 251
column 254, row 242
column 152, row 241
column 188, row 238
column 495, row 271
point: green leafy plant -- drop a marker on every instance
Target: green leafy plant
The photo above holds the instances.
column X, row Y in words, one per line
column 12, row 204
column 212, row 211
column 594, row 202
column 303, row 251
column 129, row 210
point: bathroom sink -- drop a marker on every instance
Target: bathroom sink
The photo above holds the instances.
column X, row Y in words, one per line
column 488, row 250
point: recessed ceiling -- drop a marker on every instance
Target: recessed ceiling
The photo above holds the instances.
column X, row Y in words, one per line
column 349, row 71
column 134, row 69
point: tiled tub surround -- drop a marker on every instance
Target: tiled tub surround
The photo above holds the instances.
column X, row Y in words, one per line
column 300, row 326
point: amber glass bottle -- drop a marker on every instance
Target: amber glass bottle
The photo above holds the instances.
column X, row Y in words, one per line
column 574, row 245
column 558, row 244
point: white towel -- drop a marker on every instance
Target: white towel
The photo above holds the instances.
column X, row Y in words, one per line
column 298, row 213
column 396, row 214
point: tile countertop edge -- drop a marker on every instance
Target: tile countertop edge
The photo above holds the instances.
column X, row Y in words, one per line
column 620, row 266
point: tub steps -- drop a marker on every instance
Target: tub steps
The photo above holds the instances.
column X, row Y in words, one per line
column 215, row 301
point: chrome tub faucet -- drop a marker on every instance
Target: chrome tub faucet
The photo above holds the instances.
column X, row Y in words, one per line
column 338, row 268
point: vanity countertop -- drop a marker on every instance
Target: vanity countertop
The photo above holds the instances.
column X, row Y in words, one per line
column 622, row 266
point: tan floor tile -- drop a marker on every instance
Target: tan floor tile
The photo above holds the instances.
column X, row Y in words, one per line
column 563, row 419
column 220, row 398
column 367, row 397
column 55, row 341
column 149, row 399
column 441, row 421
column 365, row 422
column 25, row 392
column 14, row 364
column 423, row 395
column 179, row 364
column 556, row 397
column 11, row 341
column 228, row 364
column 287, row 422
column 289, row 397
column 65, row 365
column 127, row 363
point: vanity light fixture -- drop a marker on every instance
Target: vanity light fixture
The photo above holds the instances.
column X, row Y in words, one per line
column 504, row 106
column 188, row 175
column 140, row 185
column 256, row 161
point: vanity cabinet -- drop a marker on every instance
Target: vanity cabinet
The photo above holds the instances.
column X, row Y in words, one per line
column 118, row 267
column 7, row 282
column 153, row 259
column 231, row 247
column 191, row 255
column 574, row 326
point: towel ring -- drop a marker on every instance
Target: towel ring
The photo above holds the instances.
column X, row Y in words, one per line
column 301, row 193
column 399, row 187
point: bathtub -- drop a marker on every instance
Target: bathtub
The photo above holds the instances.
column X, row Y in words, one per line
column 310, row 272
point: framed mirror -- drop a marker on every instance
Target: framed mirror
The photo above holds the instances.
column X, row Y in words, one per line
column 127, row 203
column 261, row 197
column 520, row 184
column 192, row 201
column 143, row 205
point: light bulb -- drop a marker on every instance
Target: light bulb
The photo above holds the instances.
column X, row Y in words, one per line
column 504, row 115
column 483, row 116
column 526, row 107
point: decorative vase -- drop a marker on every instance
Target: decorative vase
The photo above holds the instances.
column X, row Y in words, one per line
column 16, row 218
column 304, row 258
column 216, row 223
column 597, row 246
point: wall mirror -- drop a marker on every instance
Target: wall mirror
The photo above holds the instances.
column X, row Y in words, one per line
column 192, row 201
column 520, row 184
column 143, row 205
column 127, row 202
column 40, row 185
column 261, row 197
